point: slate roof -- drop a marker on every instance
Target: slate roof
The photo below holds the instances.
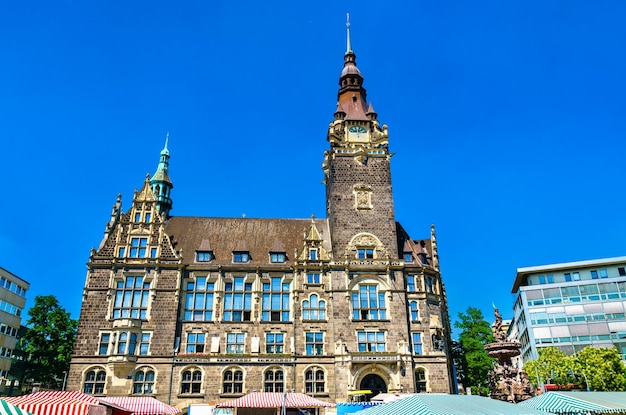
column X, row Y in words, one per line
column 259, row 236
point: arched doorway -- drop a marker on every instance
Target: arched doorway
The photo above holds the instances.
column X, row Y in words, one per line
column 374, row 383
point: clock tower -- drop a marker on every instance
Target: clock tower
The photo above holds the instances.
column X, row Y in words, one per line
column 357, row 174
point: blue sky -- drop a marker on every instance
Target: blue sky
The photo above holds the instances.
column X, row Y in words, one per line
column 508, row 120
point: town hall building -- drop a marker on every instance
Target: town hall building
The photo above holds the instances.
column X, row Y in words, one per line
column 207, row 309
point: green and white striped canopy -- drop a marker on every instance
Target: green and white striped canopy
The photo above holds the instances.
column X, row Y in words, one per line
column 442, row 404
column 578, row 402
column 10, row 409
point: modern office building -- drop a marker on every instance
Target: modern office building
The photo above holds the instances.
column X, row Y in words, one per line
column 571, row 305
column 197, row 309
column 12, row 300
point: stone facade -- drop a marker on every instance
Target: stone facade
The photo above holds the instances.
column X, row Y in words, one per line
column 196, row 309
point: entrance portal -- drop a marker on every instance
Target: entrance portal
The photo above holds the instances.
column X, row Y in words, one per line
column 374, row 383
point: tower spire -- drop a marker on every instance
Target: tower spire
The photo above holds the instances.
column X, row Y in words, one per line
column 352, row 95
column 348, row 40
column 161, row 183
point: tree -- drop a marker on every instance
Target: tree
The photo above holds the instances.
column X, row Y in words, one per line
column 552, row 367
column 598, row 369
column 474, row 362
column 603, row 369
column 48, row 341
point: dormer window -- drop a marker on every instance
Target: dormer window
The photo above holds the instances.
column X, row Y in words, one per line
column 408, row 257
column 241, row 256
column 313, row 254
column 365, row 253
column 204, row 256
column 277, row 257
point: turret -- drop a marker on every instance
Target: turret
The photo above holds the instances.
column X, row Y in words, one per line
column 161, row 184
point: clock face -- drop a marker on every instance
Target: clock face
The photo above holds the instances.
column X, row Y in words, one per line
column 358, row 129
column 357, row 133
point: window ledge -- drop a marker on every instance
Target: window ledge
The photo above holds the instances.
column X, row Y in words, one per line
column 190, row 395
column 231, row 395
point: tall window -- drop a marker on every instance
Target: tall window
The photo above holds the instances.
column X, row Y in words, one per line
column 313, row 254
column 237, row 300
column 314, row 308
column 103, row 348
column 430, row 285
column 138, row 247
column 414, row 311
column 235, row 343
column 274, row 380
column 417, row 343
column 131, row 298
column 199, row 300
column 195, row 343
column 144, row 381
column 94, row 381
column 371, row 341
column 314, row 380
column 314, row 343
column 410, row 283
column 233, row 381
column 368, row 303
column 275, row 300
column 274, row 342
column 126, row 343
column 191, row 381
column 144, row 344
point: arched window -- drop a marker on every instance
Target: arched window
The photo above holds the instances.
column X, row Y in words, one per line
column 314, row 308
column 94, row 381
column 274, row 380
column 414, row 311
column 420, row 380
column 144, row 381
column 314, row 380
column 368, row 303
column 233, row 381
column 191, row 381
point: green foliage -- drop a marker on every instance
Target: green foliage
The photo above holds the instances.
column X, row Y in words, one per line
column 48, row 341
column 473, row 362
column 602, row 368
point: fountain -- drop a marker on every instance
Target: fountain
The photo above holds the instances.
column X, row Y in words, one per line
column 506, row 382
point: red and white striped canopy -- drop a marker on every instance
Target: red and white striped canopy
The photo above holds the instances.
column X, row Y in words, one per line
column 62, row 403
column 142, row 405
column 274, row 400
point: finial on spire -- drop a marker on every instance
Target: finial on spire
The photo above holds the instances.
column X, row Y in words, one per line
column 348, row 43
column 167, row 138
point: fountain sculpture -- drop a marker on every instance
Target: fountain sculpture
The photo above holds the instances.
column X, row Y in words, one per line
column 506, row 382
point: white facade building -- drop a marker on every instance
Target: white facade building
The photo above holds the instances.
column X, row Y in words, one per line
column 571, row 305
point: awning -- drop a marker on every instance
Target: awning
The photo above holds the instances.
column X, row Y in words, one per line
column 443, row 404
column 274, row 400
column 64, row 403
column 359, row 392
column 10, row 409
column 578, row 402
column 142, row 405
